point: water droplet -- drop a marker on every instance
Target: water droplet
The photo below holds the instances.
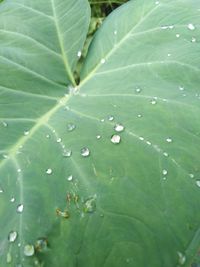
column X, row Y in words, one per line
column 71, row 127
column 193, row 40
column 41, row 244
column 103, row 60
column 169, row 140
column 5, row 124
column 177, row 35
column 98, row 136
column 139, row 115
column 89, row 205
column 148, row 143
column 110, row 118
column 12, row 200
column 153, row 101
column 115, row 32
column 138, row 90
column 85, row 152
column 171, row 26
column 182, row 258
column 49, row 171
column 67, row 153
column 70, row 178
column 8, row 258
column 165, row 154
column 198, row 182
column 102, row 120
column 29, row 250
column 12, row 236
column 79, row 54
column 164, row 172
column 191, row 26
column 181, row 88
column 115, row 139
column 118, row 127
column 191, row 175
column 59, row 140
column 141, row 138
column 20, row 208
column 26, row 132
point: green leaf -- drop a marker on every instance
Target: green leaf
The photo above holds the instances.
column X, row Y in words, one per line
column 108, row 174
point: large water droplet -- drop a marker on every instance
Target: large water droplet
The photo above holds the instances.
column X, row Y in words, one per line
column 191, row 26
column 118, row 127
column 85, row 152
column 67, row 153
column 12, row 236
column 71, row 127
column 29, row 250
column 20, row 208
column 115, row 139
column 89, row 205
column 49, row 171
column 153, row 101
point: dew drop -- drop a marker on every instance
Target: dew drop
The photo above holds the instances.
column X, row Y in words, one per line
column 47, row 136
column 169, row 140
column 49, row 171
column 164, row 172
column 139, row 115
column 26, row 133
column 85, row 152
column 169, row 55
column 102, row 120
column 181, row 88
column 89, row 205
column 29, row 250
column 115, row 139
column 71, row 127
column 138, row 90
column 12, row 200
column 110, row 118
column 198, row 182
column 153, row 101
column 171, row 26
column 177, row 35
column 67, row 153
column 98, row 136
column 191, row 26
column 148, row 143
column 157, row 2
column 103, row 60
column 20, row 208
column 119, row 127
column 12, row 236
column 79, row 54
column 165, row 154
column 193, row 40
column 59, row 140
column 70, row 178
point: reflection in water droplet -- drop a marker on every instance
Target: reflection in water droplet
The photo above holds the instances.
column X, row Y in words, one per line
column 12, row 236
column 110, row 118
column 85, row 152
column 115, row 139
column 47, row 136
column 198, row 182
column 182, row 258
column 139, row 115
column 102, row 120
column 71, row 127
column 191, row 26
column 181, row 88
column 41, row 244
column 20, row 208
column 141, row 138
column 164, row 172
column 49, row 171
column 70, row 178
column 29, row 250
column 67, row 153
column 19, row 170
column 118, row 127
column 89, row 205
column 169, row 140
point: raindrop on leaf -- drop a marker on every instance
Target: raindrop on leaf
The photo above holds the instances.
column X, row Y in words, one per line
column 118, row 127
column 67, row 153
column 115, row 139
column 12, row 236
column 71, row 127
column 191, row 26
column 20, row 208
column 29, row 250
column 49, row 171
column 85, row 152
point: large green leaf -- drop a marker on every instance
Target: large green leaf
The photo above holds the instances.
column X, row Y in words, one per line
column 134, row 203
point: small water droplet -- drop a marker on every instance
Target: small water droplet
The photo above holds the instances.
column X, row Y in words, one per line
column 49, row 171
column 191, row 175
column 110, row 118
column 138, row 90
column 71, row 127
column 177, row 35
column 79, row 54
column 85, row 152
column 141, row 138
column 70, row 178
column 169, row 140
column 12, row 236
column 115, row 139
column 181, row 88
column 153, row 101
column 139, row 115
column 193, row 40
column 102, row 120
column 59, row 140
column 182, row 258
column 67, row 153
column 164, row 172
column 148, row 143
column 98, row 136
column 8, row 258
column 41, row 244
column 20, row 208
column 5, row 124
column 171, row 26
column 29, row 250
column 103, row 60
column 26, row 132
column 191, row 26
column 89, row 205
column 12, row 200
column 198, row 182
column 118, row 127
column 165, row 154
